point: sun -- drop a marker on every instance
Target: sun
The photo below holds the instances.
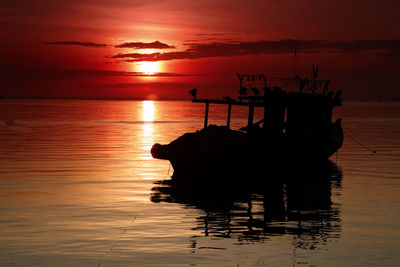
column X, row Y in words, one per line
column 148, row 67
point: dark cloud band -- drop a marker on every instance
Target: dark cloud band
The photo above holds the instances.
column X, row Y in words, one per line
column 204, row 50
column 86, row 44
column 140, row 45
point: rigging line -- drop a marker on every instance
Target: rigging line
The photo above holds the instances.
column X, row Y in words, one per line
column 169, row 168
column 286, row 84
column 116, row 241
column 362, row 145
column 126, row 227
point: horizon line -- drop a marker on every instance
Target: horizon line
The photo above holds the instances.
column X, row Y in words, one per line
column 159, row 99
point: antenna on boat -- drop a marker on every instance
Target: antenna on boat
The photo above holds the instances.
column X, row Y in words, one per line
column 242, row 90
column 295, row 60
column 297, row 82
column 315, row 76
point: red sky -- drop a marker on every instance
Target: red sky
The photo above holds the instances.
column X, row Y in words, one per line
column 91, row 48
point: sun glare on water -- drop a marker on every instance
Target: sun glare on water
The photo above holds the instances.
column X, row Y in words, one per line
column 148, row 67
column 148, row 110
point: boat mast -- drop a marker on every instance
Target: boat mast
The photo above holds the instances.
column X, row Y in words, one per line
column 295, row 61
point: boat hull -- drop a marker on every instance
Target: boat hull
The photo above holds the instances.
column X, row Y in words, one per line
column 227, row 153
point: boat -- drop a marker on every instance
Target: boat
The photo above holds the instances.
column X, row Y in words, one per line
column 297, row 129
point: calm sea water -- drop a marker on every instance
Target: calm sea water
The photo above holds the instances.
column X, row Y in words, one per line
column 77, row 179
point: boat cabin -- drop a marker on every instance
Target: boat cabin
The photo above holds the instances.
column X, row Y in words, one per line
column 284, row 112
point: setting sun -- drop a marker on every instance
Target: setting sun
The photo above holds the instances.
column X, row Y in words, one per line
column 148, row 67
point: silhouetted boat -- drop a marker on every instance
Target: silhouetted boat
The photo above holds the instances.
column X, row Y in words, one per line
column 297, row 128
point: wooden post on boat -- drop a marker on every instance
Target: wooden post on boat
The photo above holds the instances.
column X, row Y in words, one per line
column 266, row 91
column 251, row 116
column 228, row 121
column 206, row 116
column 265, row 113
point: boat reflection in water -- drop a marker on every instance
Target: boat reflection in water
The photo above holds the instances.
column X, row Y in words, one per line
column 296, row 203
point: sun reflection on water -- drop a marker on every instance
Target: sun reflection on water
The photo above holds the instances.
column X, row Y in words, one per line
column 148, row 111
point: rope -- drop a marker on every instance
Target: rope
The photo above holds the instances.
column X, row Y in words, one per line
column 116, row 241
column 169, row 168
column 126, row 227
column 286, row 84
column 362, row 145
column 166, row 175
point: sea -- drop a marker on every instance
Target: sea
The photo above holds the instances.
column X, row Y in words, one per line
column 79, row 187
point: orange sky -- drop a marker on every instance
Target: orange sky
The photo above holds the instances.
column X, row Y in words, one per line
column 96, row 49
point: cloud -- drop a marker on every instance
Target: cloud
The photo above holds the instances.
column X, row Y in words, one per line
column 86, row 44
column 210, row 34
column 365, row 45
column 133, row 57
column 219, row 49
column 140, row 45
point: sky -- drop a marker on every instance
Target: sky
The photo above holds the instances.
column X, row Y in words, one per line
column 149, row 49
